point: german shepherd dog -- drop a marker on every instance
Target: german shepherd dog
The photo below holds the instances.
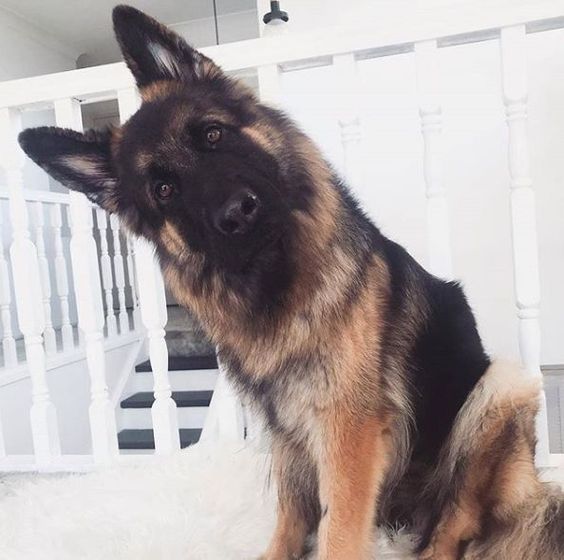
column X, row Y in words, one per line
column 369, row 372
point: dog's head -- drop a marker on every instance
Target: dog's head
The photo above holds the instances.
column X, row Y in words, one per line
column 202, row 169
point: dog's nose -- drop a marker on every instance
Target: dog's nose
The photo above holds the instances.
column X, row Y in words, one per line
column 238, row 214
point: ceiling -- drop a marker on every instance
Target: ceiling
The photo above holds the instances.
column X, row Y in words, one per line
column 85, row 25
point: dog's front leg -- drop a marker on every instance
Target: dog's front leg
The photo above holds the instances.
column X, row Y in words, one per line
column 352, row 465
column 298, row 503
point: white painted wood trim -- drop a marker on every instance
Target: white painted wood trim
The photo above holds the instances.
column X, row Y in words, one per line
column 8, row 340
column 225, row 421
column 398, row 28
column 106, row 269
column 438, row 229
column 49, row 338
column 29, row 297
column 41, row 196
column 60, row 359
column 152, row 303
column 523, row 216
column 154, row 316
column 346, row 83
column 87, row 286
column 119, row 274
column 61, row 277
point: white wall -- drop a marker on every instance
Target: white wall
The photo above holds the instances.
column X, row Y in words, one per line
column 475, row 171
column 28, row 51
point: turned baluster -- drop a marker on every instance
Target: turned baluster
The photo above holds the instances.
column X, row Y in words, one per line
column 523, row 217
column 132, row 281
column 29, row 297
column 438, row 227
column 61, row 277
column 106, row 267
column 152, row 302
column 88, row 290
column 49, row 337
column 8, row 340
column 119, row 274
column 345, row 68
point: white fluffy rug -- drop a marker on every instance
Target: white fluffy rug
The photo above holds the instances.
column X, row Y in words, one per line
column 206, row 503
column 202, row 504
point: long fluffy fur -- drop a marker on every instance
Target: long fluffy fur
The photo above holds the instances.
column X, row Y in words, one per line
column 368, row 371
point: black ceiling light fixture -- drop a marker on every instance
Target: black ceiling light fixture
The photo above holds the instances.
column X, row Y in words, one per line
column 275, row 14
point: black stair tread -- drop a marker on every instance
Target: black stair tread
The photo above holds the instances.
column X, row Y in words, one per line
column 181, row 398
column 179, row 363
column 145, row 439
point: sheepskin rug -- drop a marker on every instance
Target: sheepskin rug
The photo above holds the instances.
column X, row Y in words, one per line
column 205, row 503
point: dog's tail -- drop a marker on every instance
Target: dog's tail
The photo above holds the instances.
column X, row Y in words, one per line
column 534, row 531
column 525, row 519
column 487, row 470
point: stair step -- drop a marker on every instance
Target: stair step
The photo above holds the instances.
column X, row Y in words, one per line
column 181, row 398
column 191, row 380
column 145, row 439
column 178, row 363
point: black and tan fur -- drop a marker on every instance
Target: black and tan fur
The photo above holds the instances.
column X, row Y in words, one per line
column 369, row 372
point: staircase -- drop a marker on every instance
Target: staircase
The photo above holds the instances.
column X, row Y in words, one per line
column 192, row 373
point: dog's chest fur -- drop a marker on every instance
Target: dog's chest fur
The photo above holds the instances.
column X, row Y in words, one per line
column 292, row 400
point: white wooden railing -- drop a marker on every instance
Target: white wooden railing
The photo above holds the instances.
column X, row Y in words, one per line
column 423, row 31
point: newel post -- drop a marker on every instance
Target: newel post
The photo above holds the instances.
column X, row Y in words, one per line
column 438, row 228
column 86, row 276
column 29, row 296
column 523, row 217
column 152, row 301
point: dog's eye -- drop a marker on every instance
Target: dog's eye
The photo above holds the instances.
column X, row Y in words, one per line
column 163, row 190
column 213, row 134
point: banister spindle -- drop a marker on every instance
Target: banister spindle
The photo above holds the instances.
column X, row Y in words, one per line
column 88, row 291
column 39, row 223
column 152, row 301
column 8, row 341
column 132, row 281
column 269, row 83
column 106, row 267
column 438, row 228
column 523, row 216
column 154, row 317
column 345, row 68
column 61, row 277
column 29, row 299
column 119, row 274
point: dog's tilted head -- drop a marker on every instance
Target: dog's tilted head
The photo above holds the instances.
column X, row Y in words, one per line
column 203, row 169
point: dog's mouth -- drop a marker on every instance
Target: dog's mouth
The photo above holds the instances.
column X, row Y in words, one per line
column 269, row 242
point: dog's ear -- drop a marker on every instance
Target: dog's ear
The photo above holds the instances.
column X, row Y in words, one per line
column 82, row 162
column 153, row 52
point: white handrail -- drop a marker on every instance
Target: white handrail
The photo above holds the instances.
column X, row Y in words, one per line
column 48, row 197
column 396, row 27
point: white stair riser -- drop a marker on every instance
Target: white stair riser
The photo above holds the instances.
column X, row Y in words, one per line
column 137, row 451
column 140, row 418
column 192, row 380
